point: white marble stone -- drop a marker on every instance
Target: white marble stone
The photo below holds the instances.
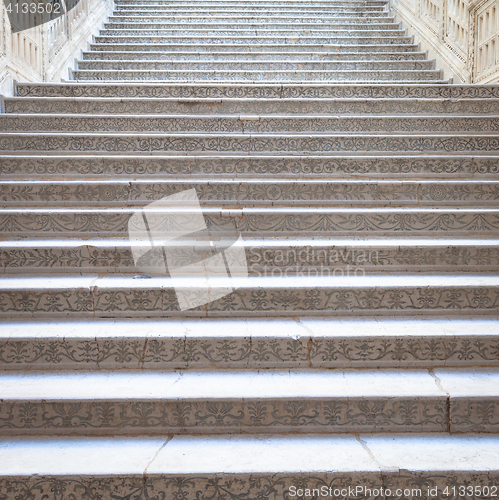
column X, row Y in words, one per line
column 192, row 384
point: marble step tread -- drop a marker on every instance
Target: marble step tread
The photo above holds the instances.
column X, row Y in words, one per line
column 260, row 3
column 252, row 16
column 250, row 56
column 283, row 57
column 265, row 257
column 273, row 66
column 236, row 6
column 258, row 19
column 280, row 12
column 273, row 467
column 249, row 401
column 279, row 16
column 249, row 124
column 272, row 49
column 303, row 41
column 255, row 91
column 172, row 144
column 250, row 106
column 287, row 3
column 276, row 222
column 251, row 192
column 398, row 76
column 237, row 19
column 396, row 166
column 142, row 296
column 190, row 16
column 231, row 31
column 250, row 343
column 249, row 8
column 383, row 24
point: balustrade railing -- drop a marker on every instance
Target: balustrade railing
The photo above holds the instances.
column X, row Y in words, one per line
column 46, row 51
column 463, row 35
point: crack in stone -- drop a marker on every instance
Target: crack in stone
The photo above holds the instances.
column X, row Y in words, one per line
column 310, row 343
column 438, row 383
column 168, row 439
column 382, row 467
column 143, row 357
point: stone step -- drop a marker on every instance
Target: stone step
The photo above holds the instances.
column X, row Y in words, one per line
column 249, row 56
column 250, row 343
column 266, row 91
column 250, row 48
column 234, row 106
column 169, row 144
column 257, row 76
column 251, row 192
column 287, row 466
column 243, row 9
column 143, row 296
column 248, row 402
column 297, row 41
column 209, row 5
column 250, row 32
column 306, row 67
column 237, row 18
column 248, row 124
column 276, row 222
column 257, row 19
column 234, row 4
column 222, row 24
column 265, row 258
column 256, row 7
column 395, row 166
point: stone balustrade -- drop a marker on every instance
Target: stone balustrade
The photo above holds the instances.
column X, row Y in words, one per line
column 44, row 53
column 463, row 35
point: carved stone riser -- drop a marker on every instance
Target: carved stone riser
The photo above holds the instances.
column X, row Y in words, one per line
column 256, row 9
column 67, row 167
column 240, row 65
column 273, row 486
column 330, row 4
column 238, row 193
column 152, row 301
column 305, row 415
column 297, row 91
column 259, row 107
column 262, row 415
column 256, row 19
column 245, row 23
column 266, row 260
column 259, row 222
column 243, row 144
column 245, row 76
column 276, row 48
column 273, row 31
column 242, row 40
column 252, row 56
column 251, row 16
column 248, row 125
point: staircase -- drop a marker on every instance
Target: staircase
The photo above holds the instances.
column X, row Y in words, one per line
column 361, row 350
